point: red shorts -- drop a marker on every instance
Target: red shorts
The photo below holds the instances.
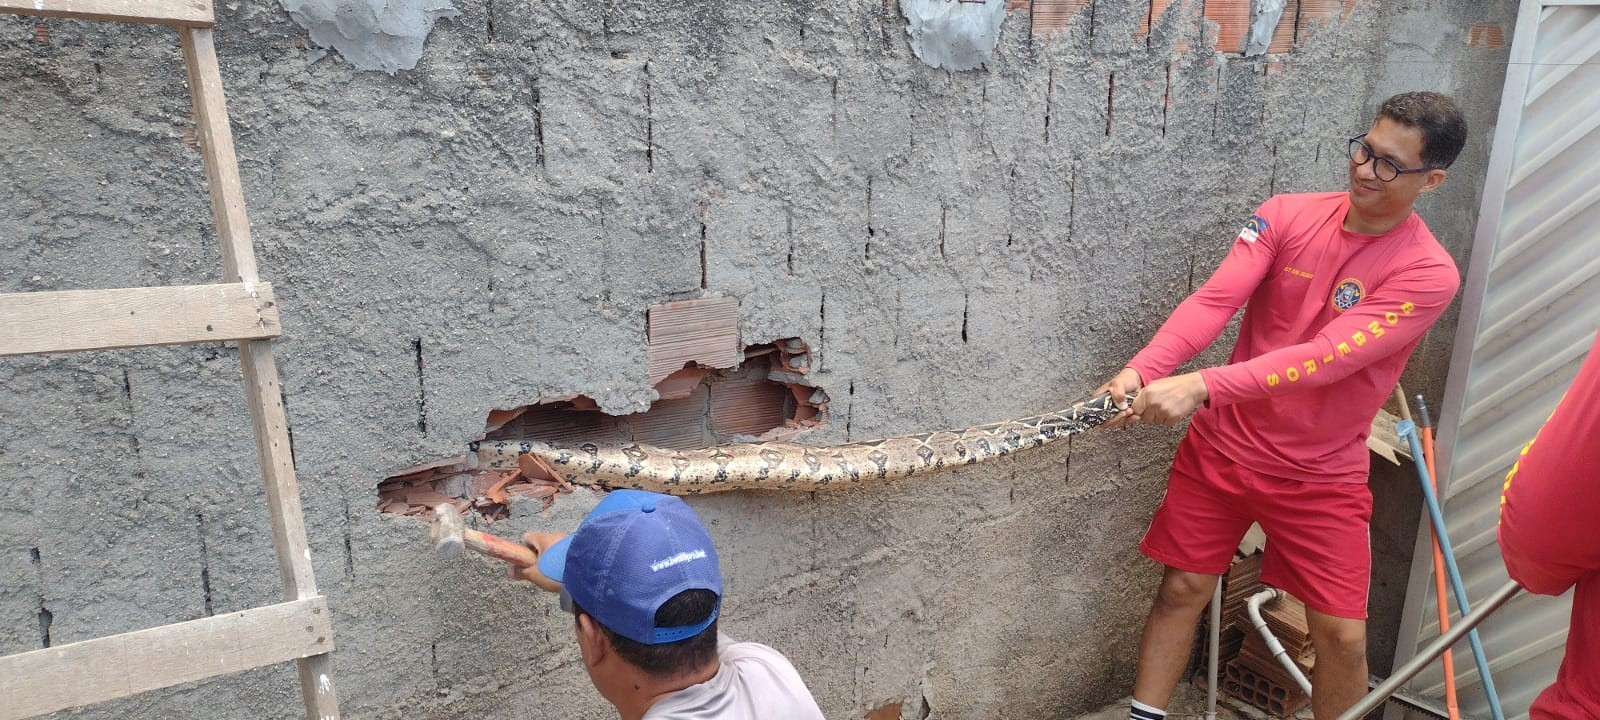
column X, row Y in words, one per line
column 1319, row 548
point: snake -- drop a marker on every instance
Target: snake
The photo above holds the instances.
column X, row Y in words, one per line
column 780, row 465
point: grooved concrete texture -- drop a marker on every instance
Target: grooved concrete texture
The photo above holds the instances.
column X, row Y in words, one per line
column 489, row 228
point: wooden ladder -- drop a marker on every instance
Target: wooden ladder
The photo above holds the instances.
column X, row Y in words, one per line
column 241, row 309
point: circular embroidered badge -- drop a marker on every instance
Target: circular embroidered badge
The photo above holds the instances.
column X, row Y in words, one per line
column 1347, row 293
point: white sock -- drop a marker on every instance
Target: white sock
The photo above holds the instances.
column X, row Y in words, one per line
column 1142, row 711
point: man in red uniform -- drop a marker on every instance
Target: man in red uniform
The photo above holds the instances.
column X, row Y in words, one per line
column 1340, row 287
column 1551, row 541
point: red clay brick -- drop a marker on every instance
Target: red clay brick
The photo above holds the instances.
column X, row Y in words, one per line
column 1233, row 23
column 746, row 406
column 678, row 424
column 1486, row 35
column 681, row 383
column 887, row 711
column 704, row 331
column 1157, row 7
column 558, row 424
column 1283, row 36
column 1052, row 15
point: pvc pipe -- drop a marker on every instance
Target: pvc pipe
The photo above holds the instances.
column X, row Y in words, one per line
column 1216, row 647
column 1468, row 624
column 1451, row 704
column 1254, row 606
column 1408, row 430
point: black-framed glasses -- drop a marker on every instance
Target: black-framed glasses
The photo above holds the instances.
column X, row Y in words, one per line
column 1386, row 170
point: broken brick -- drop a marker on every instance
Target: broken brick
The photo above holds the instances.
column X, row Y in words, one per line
column 699, row 406
column 680, row 384
column 704, row 331
column 428, row 498
column 534, row 491
column 498, row 418
column 886, row 711
column 559, row 422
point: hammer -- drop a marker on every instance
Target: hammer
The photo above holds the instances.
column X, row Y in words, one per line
column 450, row 535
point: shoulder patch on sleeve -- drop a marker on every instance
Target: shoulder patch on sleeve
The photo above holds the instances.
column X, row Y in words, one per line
column 1253, row 229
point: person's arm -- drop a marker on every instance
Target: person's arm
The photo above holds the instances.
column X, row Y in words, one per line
column 1549, row 535
column 1381, row 324
column 1201, row 317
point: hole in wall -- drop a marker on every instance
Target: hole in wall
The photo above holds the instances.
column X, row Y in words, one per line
column 768, row 396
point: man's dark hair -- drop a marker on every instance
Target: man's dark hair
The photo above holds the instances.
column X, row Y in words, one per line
column 1444, row 131
column 673, row 659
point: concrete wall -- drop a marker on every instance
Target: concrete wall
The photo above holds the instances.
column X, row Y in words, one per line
column 488, row 227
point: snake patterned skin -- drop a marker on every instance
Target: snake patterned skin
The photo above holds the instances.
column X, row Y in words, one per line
column 791, row 466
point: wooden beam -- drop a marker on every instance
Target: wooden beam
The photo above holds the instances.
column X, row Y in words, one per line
column 73, row 320
column 56, row 678
column 190, row 13
column 268, row 420
column 216, row 149
column 262, row 392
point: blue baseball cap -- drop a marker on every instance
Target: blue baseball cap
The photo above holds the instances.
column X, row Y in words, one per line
column 632, row 553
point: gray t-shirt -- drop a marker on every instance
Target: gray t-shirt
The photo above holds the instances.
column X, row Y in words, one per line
column 754, row 682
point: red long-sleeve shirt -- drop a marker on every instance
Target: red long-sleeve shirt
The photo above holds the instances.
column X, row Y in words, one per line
column 1332, row 317
column 1551, row 541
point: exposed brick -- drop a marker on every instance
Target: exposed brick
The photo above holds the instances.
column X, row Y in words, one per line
column 1486, row 35
column 498, row 418
column 1283, row 36
column 557, row 423
column 1319, row 12
column 746, row 405
column 1052, row 15
column 704, row 331
column 1157, row 8
column 1233, row 23
column 886, row 711
column 676, row 424
column 681, row 383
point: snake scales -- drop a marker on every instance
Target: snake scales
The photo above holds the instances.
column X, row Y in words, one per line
column 792, row 466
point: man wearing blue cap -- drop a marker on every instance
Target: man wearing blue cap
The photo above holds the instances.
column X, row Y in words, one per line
column 641, row 578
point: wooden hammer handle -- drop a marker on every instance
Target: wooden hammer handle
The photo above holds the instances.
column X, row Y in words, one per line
column 500, row 548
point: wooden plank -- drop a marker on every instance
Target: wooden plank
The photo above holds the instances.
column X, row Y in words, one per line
column 43, row 681
column 1384, row 441
column 262, row 392
column 270, row 424
column 73, row 320
column 277, row 469
column 316, row 687
column 216, row 148
column 191, row 13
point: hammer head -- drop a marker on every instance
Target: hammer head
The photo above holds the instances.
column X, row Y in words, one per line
column 447, row 530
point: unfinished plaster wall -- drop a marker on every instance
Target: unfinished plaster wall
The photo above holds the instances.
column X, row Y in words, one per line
column 488, row 229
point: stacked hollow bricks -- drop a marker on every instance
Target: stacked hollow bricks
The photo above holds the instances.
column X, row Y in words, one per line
column 1249, row 672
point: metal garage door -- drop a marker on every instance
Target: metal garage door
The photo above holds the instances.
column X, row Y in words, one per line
column 1530, row 309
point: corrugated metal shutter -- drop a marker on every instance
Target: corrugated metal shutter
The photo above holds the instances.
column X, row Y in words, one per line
column 1530, row 309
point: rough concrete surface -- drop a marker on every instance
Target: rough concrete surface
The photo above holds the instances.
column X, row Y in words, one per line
column 489, row 227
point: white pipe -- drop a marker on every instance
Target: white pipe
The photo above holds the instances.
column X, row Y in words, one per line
column 1216, row 647
column 1276, row 647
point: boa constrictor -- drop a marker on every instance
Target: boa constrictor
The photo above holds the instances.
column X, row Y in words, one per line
column 792, row 466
